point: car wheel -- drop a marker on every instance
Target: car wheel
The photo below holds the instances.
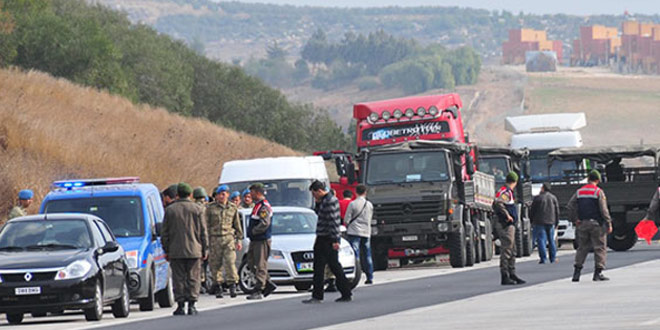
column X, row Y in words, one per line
column 165, row 296
column 15, row 318
column 247, row 281
column 147, row 303
column 95, row 313
column 358, row 274
column 122, row 306
column 302, row 286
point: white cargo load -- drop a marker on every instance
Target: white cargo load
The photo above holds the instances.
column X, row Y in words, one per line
column 555, row 122
column 279, row 168
column 546, row 141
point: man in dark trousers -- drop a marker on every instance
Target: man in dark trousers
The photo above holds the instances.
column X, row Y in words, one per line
column 545, row 218
column 259, row 231
column 588, row 210
column 185, row 242
column 505, row 226
column 327, row 244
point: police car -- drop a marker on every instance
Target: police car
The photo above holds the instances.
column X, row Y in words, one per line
column 134, row 212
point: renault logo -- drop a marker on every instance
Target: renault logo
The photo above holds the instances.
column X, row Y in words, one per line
column 407, row 209
column 308, row 256
column 28, row 277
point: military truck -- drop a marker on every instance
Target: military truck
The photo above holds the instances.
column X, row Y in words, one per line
column 629, row 185
column 499, row 161
column 424, row 206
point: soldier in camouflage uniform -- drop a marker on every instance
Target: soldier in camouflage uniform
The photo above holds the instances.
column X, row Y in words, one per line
column 24, row 201
column 247, row 202
column 225, row 237
column 236, row 198
column 199, row 194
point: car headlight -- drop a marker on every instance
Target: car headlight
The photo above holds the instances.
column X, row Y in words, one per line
column 75, row 269
column 346, row 251
column 133, row 259
column 276, row 255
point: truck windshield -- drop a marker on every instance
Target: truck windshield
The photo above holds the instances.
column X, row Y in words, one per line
column 45, row 235
column 557, row 171
column 122, row 214
column 407, row 167
column 294, row 192
column 497, row 167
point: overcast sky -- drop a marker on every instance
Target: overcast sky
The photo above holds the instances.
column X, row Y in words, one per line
column 576, row 7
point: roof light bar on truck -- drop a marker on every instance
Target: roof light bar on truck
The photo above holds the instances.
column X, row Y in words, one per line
column 70, row 184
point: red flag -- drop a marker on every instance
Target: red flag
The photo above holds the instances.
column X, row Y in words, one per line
column 646, row 229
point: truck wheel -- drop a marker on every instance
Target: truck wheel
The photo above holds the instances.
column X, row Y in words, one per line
column 487, row 246
column 469, row 245
column 15, row 318
column 147, row 303
column 519, row 240
column 379, row 257
column 456, row 242
column 477, row 243
column 621, row 242
column 528, row 244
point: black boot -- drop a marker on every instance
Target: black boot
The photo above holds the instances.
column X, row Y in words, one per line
column 598, row 275
column 214, row 288
column 191, row 308
column 331, row 286
column 232, row 290
column 576, row 274
column 218, row 293
column 181, row 308
column 270, row 287
column 515, row 278
column 506, row 280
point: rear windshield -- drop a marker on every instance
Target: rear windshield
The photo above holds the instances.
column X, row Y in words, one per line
column 122, row 214
column 44, row 235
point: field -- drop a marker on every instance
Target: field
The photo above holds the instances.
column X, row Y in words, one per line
column 52, row 129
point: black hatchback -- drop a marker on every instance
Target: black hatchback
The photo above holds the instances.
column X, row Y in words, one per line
column 57, row 262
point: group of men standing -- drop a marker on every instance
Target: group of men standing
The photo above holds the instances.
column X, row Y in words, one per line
column 587, row 209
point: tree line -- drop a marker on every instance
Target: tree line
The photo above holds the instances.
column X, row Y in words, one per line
column 97, row 47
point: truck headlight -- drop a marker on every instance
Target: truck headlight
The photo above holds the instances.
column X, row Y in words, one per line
column 133, row 259
column 276, row 255
column 443, row 226
column 75, row 269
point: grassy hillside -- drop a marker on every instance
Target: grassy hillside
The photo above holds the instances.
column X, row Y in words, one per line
column 52, row 129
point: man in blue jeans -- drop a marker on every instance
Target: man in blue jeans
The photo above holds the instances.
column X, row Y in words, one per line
column 545, row 217
column 358, row 228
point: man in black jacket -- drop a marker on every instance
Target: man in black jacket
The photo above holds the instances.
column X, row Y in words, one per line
column 545, row 218
column 326, row 246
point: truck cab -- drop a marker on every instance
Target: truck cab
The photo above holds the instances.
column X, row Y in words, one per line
column 423, row 207
column 134, row 212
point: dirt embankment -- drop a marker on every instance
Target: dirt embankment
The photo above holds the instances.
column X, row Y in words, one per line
column 52, row 129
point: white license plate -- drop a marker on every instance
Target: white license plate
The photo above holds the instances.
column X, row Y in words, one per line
column 27, row 291
column 305, row 266
column 409, row 238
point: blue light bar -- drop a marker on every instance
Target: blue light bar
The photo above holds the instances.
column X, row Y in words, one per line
column 69, row 184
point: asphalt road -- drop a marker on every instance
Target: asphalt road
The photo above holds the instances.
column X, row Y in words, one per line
column 386, row 299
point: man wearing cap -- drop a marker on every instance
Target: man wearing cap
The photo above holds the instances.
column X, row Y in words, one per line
column 505, row 226
column 259, row 231
column 247, row 202
column 185, row 242
column 587, row 209
column 544, row 215
column 235, row 198
column 24, row 201
column 225, row 236
column 199, row 195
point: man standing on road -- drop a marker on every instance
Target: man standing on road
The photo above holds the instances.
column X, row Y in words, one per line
column 184, row 240
column 327, row 244
column 24, row 201
column 588, row 210
column 343, row 204
column 545, row 218
column 259, row 231
column 505, row 226
column 225, row 236
column 358, row 222
column 247, row 202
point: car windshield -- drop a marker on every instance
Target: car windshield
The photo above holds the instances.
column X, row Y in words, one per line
column 557, row 171
column 497, row 167
column 285, row 223
column 44, row 234
column 293, row 192
column 122, row 214
column 407, row 167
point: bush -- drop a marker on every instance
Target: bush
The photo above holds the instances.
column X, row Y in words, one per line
column 368, row 83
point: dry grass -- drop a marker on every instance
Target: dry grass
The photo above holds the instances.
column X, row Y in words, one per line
column 52, row 129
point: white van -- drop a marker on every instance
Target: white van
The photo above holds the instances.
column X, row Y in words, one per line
column 287, row 179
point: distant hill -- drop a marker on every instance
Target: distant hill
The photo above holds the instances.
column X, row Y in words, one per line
column 52, row 129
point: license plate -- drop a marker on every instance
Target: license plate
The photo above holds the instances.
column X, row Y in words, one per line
column 305, row 266
column 409, row 238
column 27, row 291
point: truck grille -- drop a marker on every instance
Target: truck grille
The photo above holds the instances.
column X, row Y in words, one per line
column 407, row 212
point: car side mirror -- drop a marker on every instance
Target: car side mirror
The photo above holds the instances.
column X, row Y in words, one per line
column 352, row 178
column 111, row 246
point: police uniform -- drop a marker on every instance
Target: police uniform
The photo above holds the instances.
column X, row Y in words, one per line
column 588, row 209
column 505, row 205
column 260, row 231
column 225, row 230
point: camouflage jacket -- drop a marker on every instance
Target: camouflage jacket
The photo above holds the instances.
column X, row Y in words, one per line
column 224, row 220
